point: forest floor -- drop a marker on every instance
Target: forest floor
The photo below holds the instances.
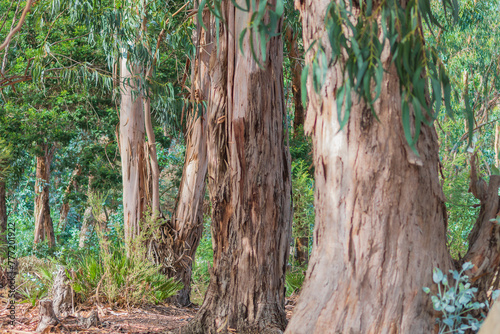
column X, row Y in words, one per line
column 147, row 319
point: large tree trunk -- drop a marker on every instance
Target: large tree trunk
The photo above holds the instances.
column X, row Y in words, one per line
column 132, row 150
column 380, row 215
column 187, row 220
column 44, row 229
column 249, row 186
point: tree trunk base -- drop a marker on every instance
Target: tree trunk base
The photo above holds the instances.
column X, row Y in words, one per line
column 91, row 320
column 47, row 316
column 269, row 320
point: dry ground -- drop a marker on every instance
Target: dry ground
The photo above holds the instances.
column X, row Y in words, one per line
column 143, row 320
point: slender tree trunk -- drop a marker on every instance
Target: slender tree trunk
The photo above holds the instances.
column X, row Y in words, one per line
column 132, row 150
column 380, row 214
column 153, row 171
column 187, row 221
column 249, row 186
column 295, row 56
column 87, row 223
column 72, row 184
column 3, row 216
column 44, row 229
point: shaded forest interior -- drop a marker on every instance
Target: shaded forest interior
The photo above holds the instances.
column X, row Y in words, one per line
column 270, row 166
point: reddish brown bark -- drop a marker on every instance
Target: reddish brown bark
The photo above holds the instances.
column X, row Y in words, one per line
column 44, row 229
column 187, row 221
column 380, row 214
column 249, row 186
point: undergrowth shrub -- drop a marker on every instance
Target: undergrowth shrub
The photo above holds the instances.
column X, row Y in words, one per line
column 118, row 279
column 456, row 302
column 35, row 278
column 293, row 280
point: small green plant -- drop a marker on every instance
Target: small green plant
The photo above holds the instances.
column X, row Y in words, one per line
column 111, row 275
column 36, row 279
column 456, row 302
column 294, row 280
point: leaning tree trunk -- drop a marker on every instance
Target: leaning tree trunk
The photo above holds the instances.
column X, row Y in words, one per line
column 187, row 221
column 132, row 151
column 44, row 229
column 249, row 186
column 380, row 214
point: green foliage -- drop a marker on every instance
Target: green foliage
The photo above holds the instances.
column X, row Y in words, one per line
column 121, row 280
column 303, row 200
column 294, row 280
column 470, row 49
column 456, row 302
column 203, row 259
column 131, row 280
column 35, row 279
column 5, row 158
column 358, row 41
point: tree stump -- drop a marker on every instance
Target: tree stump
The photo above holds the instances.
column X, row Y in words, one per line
column 91, row 320
column 47, row 316
column 62, row 293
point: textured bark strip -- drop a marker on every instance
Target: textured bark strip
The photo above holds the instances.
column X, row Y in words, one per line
column 44, row 229
column 132, row 150
column 249, row 186
column 380, row 215
column 187, row 221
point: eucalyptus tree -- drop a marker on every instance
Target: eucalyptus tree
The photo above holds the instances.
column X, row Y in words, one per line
column 248, row 170
column 45, row 68
column 133, row 37
column 374, row 91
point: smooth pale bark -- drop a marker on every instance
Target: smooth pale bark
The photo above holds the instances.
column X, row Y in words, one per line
column 132, row 150
column 380, row 214
column 249, row 185
column 44, row 229
column 492, row 323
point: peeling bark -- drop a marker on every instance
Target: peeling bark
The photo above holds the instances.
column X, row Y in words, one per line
column 44, row 229
column 249, row 185
column 187, row 221
column 380, row 215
